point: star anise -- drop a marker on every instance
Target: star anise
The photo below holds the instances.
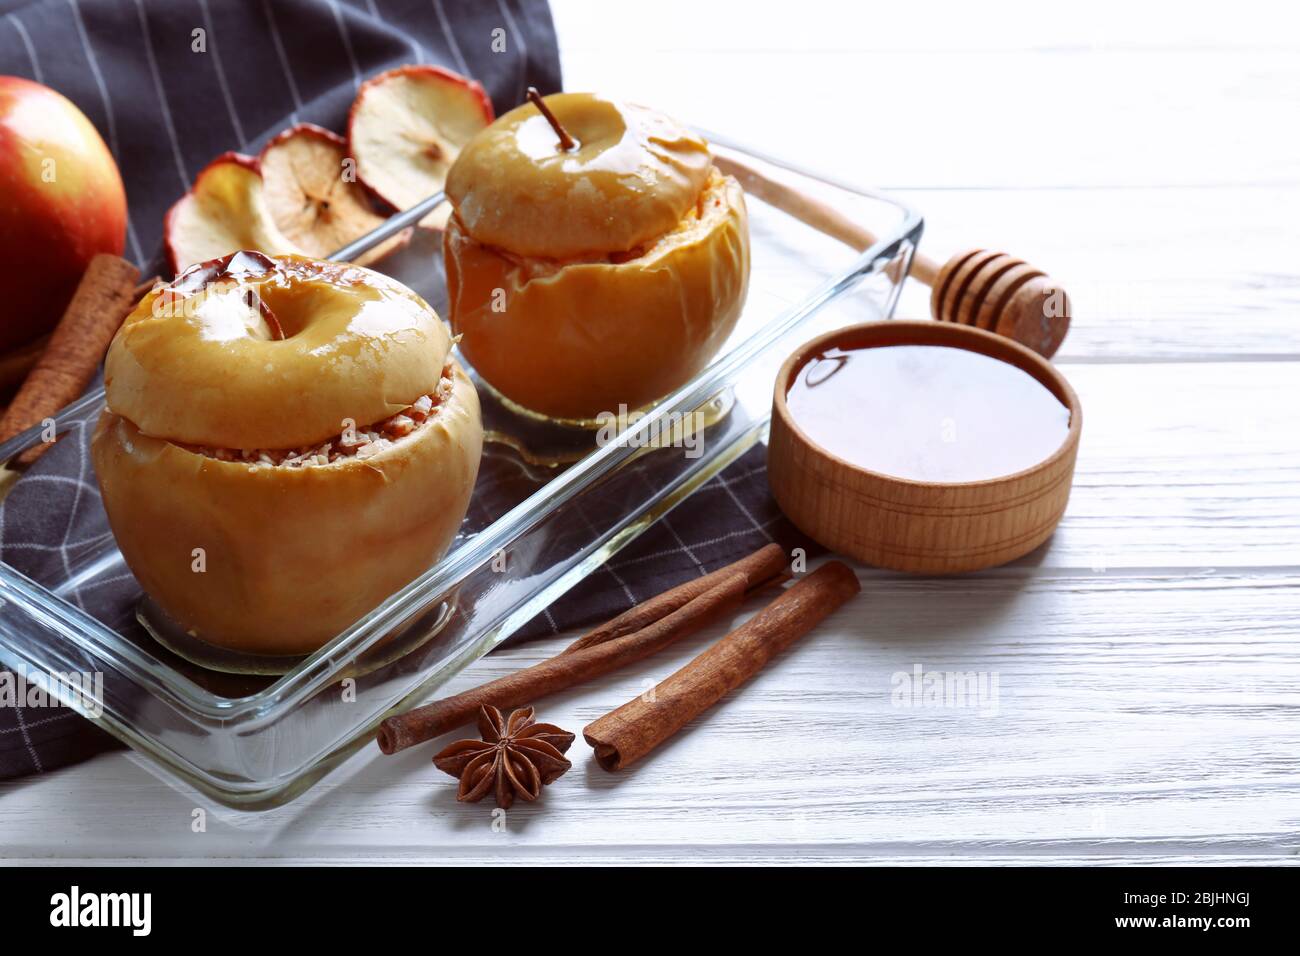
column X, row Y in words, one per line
column 516, row 757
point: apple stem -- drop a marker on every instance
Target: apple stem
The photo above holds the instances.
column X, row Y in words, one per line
column 567, row 142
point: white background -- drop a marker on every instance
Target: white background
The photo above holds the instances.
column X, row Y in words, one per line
column 1148, row 658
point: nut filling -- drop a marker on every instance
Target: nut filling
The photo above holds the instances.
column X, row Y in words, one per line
column 360, row 442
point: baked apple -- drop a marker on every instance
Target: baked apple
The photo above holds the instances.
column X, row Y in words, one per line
column 286, row 442
column 604, row 274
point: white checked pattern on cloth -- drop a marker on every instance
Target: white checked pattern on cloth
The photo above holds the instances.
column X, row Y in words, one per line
column 52, row 520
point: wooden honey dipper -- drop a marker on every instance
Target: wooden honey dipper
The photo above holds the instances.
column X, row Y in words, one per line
column 989, row 290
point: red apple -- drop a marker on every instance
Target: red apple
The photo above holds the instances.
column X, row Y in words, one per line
column 61, row 203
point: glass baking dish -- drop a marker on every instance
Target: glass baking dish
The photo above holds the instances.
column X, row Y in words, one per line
column 550, row 506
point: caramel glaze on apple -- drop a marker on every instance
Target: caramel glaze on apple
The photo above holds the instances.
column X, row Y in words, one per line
column 353, row 443
column 316, row 473
column 631, row 176
column 336, row 342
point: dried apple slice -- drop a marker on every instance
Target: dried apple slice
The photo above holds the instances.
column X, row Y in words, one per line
column 407, row 127
column 224, row 211
column 313, row 196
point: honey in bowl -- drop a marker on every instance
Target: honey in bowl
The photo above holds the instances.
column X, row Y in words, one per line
column 928, row 447
column 931, row 413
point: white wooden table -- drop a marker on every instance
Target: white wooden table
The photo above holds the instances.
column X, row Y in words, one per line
column 1147, row 660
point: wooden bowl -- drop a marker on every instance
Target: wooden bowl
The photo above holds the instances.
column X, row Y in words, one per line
column 919, row 526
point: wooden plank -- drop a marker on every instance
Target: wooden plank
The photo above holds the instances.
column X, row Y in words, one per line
column 1135, row 716
column 963, row 98
column 1155, row 273
column 1183, row 465
column 828, row 26
column 1159, row 274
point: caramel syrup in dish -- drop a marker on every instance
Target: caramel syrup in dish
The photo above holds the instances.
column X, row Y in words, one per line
column 927, row 412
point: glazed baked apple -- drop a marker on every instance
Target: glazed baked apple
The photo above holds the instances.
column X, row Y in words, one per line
column 604, row 274
column 286, row 442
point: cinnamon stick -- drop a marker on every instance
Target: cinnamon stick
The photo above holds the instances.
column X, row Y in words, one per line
column 764, row 564
column 76, row 347
column 627, row 734
column 563, row 671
